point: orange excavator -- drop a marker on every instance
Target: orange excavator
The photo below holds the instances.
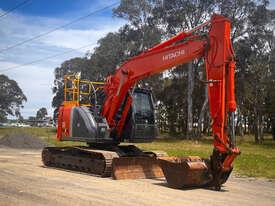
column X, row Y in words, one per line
column 106, row 114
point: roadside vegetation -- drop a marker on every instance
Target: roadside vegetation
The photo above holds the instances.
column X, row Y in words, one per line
column 256, row 160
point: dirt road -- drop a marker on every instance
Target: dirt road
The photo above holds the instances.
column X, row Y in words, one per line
column 24, row 181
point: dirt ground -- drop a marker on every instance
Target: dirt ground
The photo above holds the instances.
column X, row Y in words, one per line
column 24, row 181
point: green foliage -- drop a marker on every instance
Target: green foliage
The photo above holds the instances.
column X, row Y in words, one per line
column 107, row 56
column 178, row 15
column 254, row 67
column 11, row 98
column 137, row 12
column 41, row 113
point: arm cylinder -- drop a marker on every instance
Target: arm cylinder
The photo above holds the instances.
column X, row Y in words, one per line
column 231, row 87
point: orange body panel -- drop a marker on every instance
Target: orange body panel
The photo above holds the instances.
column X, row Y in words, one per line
column 64, row 119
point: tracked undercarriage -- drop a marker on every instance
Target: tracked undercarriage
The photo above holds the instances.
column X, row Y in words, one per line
column 129, row 162
column 120, row 162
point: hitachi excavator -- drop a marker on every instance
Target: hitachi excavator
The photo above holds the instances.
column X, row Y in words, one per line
column 106, row 114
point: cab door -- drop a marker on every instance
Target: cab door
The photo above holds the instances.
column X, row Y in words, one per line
column 143, row 114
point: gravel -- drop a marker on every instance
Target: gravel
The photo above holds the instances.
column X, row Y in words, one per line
column 22, row 141
column 24, row 181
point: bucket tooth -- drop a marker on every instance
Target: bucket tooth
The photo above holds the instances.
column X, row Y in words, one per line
column 183, row 172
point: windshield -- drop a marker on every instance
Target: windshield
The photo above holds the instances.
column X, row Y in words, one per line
column 142, row 103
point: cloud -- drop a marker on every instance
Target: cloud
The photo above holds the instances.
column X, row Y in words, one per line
column 271, row 5
column 17, row 28
column 73, row 38
column 36, row 80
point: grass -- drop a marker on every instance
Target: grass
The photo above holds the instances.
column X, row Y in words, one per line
column 256, row 160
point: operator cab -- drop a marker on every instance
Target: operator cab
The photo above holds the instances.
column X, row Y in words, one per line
column 140, row 125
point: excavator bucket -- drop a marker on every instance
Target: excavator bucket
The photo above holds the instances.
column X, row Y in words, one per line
column 136, row 168
column 183, row 172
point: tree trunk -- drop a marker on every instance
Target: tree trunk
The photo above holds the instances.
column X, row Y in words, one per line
column 201, row 122
column 245, row 123
column 240, row 126
column 273, row 127
column 258, row 128
column 190, row 89
column 208, row 122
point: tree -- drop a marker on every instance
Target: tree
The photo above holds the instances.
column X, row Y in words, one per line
column 270, row 98
column 31, row 118
column 253, row 51
column 183, row 15
column 41, row 113
column 140, row 33
column 11, row 97
column 110, row 52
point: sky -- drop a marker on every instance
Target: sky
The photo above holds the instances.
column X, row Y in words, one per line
column 39, row 16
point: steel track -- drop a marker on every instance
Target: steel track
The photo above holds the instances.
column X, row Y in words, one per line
column 97, row 161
